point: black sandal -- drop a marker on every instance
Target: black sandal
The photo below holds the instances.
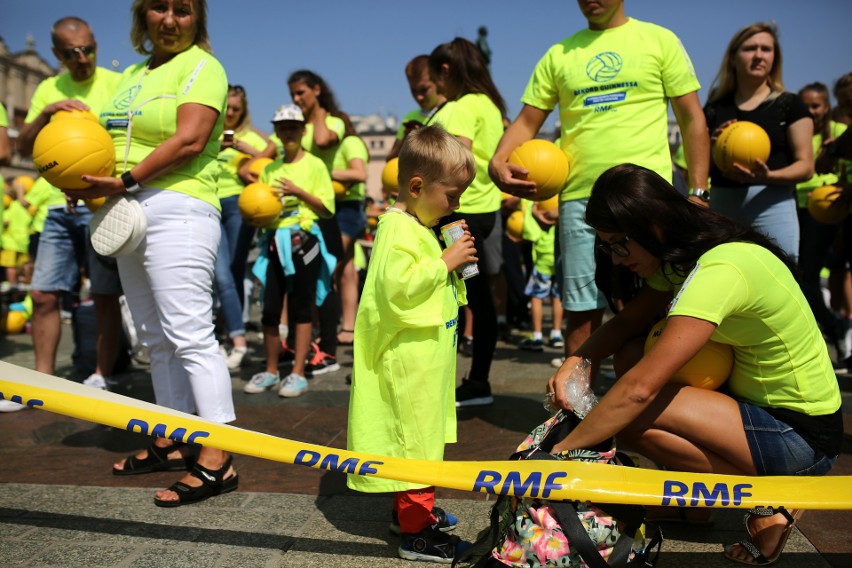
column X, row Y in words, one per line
column 758, row 558
column 212, row 483
column 157, row 460
column 350, row 332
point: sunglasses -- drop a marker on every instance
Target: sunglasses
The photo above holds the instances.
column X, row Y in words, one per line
column 236, row 88
column 618, row 248
column 71, row 53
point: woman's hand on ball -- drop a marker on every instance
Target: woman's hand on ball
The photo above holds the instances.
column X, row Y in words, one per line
column 741, row 174
column 101, row 187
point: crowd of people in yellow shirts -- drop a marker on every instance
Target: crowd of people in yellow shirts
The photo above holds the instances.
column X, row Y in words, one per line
column 188, row 158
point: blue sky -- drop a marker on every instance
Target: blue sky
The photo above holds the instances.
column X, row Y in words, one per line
column 360, row 48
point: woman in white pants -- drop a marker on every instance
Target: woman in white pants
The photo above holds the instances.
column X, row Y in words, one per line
column 165, row 121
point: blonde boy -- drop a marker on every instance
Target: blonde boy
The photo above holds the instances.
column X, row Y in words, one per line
column 403, row 383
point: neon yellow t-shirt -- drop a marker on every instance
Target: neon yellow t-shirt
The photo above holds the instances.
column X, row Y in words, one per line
column 544, row 241
column 230, row 160
column 819, row 180
column 16, row 227
column 419, row 116
column 38, row 197
column 308, row 173
column 152, row 98
column 334, row 124
column 612, row 88
column 780, row 359
column 351, row 148
column 4, row 118
column 95, row 93
column 478, row 119
column 402, row 402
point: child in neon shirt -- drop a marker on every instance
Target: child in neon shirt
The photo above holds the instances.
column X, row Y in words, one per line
column 543, row 283
column 403, row 384
column 292, row 253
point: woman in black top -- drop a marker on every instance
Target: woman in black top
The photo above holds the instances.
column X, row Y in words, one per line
column 749, row 87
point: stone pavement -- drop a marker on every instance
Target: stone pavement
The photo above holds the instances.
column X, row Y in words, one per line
column 60, row 506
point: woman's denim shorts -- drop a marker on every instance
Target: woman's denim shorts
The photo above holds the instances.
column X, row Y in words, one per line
column 777, row 449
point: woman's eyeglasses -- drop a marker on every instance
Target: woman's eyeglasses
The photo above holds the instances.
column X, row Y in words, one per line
column 72, row 53
column 618, row 248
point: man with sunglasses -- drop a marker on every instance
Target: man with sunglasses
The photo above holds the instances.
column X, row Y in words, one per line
column 65, row 239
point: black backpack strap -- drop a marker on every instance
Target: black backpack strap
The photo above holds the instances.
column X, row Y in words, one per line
column 566, row 515
column 569, row 520
column 487, row 540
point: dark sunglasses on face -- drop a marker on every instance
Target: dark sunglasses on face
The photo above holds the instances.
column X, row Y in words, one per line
column 71, row 53
column 618, row 248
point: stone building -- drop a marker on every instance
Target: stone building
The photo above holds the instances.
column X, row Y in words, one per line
column 20, row 74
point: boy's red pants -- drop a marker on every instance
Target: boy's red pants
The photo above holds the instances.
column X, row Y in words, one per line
column 414, row 509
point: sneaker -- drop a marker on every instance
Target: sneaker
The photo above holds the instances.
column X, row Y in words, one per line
column 430, row 545
column 262, row 381
column 504, row 332
column 321, row 363
column 530, row 344
column 842, row 367
column 557, row 362
column 236, row 358
column 9, row 406
column 96, row 381
column 293, row 386
column 556, row 341
column 473, row 393
column 466, row 346
column 445, row 523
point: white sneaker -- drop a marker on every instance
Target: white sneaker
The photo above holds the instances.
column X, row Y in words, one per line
column 9, row 406
column 262, row 381
column 96, row 381
column 557, row 362
column 236, row 358
column 293, row 386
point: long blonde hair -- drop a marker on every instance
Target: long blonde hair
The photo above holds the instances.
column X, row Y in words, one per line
column 139, row 28
column 725, row 82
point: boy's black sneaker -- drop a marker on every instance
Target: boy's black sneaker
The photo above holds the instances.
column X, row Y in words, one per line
column 430, row 545
column 446, row 521
column 473, row 393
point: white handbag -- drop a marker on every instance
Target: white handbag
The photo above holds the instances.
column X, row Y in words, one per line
column 118, row 226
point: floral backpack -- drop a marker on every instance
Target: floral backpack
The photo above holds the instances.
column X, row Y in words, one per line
column 533, row 533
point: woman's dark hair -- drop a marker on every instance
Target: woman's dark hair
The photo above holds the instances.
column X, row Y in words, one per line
column 468, row 70
column 325, row 98
column 636, row 201
column 822, row 126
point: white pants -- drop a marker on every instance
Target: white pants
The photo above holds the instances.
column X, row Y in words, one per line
column 168, row 283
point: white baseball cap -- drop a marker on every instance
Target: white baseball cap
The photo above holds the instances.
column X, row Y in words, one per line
column 288, row 112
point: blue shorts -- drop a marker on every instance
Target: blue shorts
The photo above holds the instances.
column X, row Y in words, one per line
column 64, row 247
column 542, row 286
column 777, row 449
column 351, row 218
column 577, row 242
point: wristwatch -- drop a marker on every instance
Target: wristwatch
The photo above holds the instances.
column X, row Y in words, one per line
column 701, row 194
column 130, row 184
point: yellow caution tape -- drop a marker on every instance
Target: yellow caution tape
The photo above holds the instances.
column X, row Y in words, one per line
column 544, row 479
